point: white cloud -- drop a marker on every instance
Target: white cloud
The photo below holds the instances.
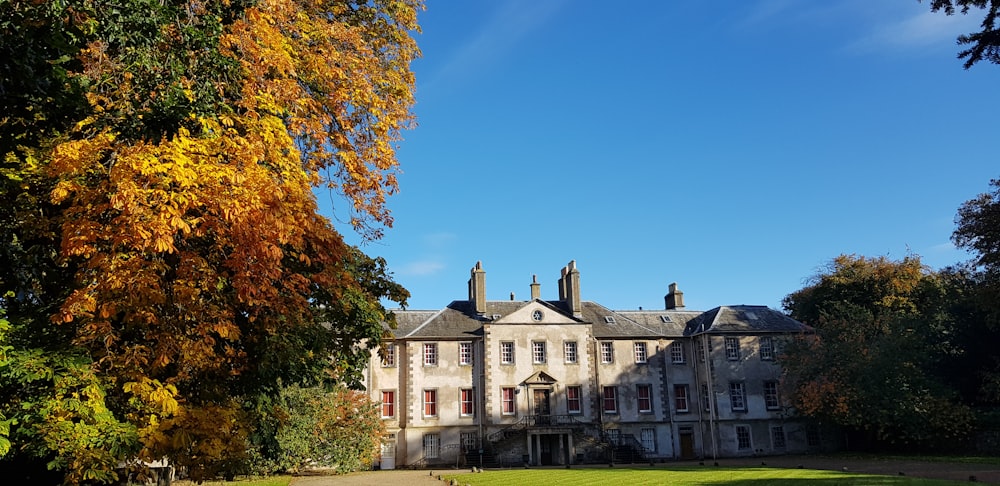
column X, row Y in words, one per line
column 507, row 26
column 437, row 241
column 924, row 29
column 421, row 268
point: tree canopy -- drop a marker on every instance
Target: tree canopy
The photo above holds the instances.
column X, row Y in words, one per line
column 165, row 257
column 982, row 45
column 883, row 329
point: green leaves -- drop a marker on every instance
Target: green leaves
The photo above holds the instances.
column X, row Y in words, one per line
column 874, row 364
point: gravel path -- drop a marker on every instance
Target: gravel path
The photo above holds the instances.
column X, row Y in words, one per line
column 984, row 473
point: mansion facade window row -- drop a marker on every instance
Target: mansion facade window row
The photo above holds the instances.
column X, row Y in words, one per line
column 610, row 397
column 570, row 349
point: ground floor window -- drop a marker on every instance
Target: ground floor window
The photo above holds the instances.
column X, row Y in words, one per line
column 470, row 441
column 615, row 436
column 432, row 446
column 743, row 437
column 648, row 438
column 812, row 435
column 778, row 437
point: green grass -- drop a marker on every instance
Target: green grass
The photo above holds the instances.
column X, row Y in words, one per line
column 745, row 476
column 270, row 481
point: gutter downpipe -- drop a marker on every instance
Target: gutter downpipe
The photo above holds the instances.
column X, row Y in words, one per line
column 711, row 395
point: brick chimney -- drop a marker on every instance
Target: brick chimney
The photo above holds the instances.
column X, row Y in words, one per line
column 674, row 298
column 536, row 288
column 477, row 287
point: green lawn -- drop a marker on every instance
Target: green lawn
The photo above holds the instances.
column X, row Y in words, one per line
column 746, row 476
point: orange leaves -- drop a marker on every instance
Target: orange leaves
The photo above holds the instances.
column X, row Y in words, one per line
column 341, row 81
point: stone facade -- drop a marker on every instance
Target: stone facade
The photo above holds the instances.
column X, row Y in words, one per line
column 570, row 381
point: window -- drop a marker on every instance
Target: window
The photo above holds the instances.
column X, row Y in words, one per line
column 648, row 438
column 737, row 396
column 778, row 437
column 507, row 400
column 573, row 399
column 537, row 315
column 430, row 403
column 432, row 446
column 640, row 352
column 430, row 354
column 766, row 348
column 771, row 395
column 610, row 399
column 704, row 349
column 706, row 403
column 812, row 435
column 743, row 437
column 465, row 353
column 732, row 349
column 466, row 402
column 615, row 436
column 609, row 319
column 607, row 352
column 506, row 352
column 470, row 441
column 538, row 351
column 569, row 350
column 677, row 353
column 681, row 398
column 388, row 403
column 644, row 395
column 389, row 360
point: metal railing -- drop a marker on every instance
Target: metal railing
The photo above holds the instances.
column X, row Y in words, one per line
column 529, row 421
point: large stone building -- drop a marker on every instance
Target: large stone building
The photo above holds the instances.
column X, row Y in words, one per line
column 570, row 381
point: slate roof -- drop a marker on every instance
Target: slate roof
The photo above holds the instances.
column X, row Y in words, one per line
column 743, row 319
column 459, row 320
column 635, row 323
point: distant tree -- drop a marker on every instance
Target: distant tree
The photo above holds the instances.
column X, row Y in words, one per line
column 983, row 45
column 978, row 231
column 873, row 364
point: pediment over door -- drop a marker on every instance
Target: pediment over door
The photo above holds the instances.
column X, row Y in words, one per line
column 539, row 378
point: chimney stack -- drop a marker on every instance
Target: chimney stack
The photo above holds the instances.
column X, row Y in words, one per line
column 477, row 287
column 674, row 298
column 536, row 288
column 570, row 284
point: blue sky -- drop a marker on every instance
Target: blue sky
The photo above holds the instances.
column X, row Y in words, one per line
column 733, row 148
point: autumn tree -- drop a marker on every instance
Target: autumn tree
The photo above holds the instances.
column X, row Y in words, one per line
column 875, row 363
column 164, row 257
column 982, row 45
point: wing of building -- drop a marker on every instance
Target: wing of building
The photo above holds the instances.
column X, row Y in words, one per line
column 488, row 383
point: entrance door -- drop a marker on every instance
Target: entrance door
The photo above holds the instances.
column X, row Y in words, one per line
column 389, row 453
column 542, row 410
column 687, row 444
column 545, row 455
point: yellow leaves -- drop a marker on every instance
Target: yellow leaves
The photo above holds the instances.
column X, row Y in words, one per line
column 154, row 396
